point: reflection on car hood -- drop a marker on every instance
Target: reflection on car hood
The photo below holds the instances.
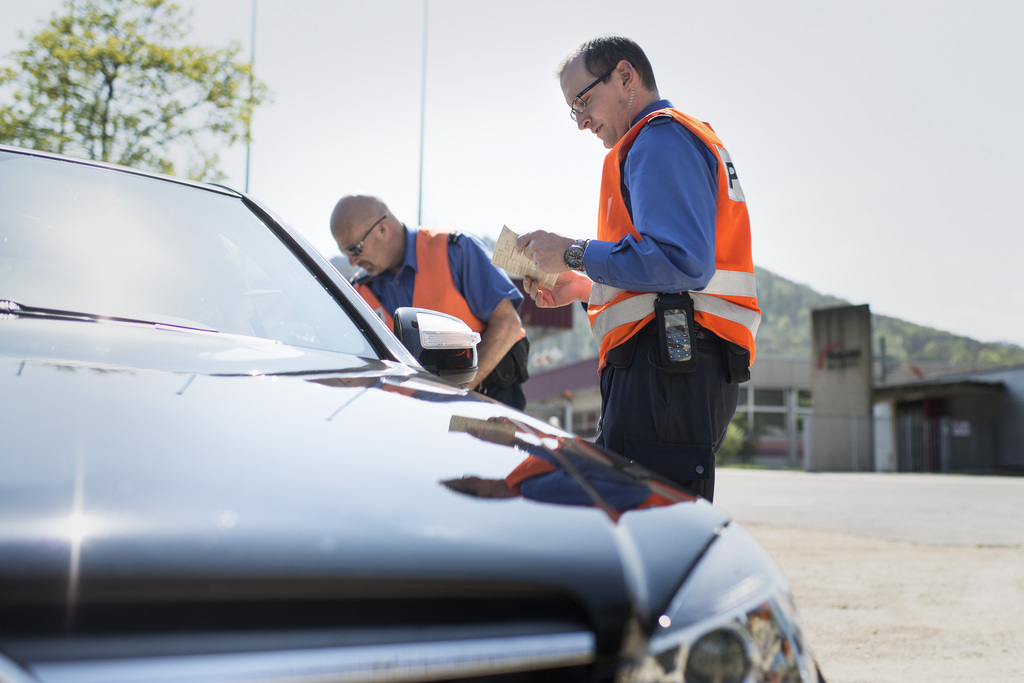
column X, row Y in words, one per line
column 248, row 460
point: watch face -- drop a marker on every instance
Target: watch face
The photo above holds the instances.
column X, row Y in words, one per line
column 574, row 257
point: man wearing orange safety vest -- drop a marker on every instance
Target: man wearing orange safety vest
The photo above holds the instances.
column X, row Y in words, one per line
column 669, row 280
column 447, row 272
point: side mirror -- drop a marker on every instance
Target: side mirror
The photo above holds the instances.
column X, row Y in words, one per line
column 443, row 344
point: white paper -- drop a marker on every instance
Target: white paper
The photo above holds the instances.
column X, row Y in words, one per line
column 507, row 258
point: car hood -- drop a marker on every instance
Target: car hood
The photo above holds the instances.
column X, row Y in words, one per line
column 231, row 465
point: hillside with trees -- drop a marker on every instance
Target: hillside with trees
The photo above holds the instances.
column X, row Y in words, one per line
column 786, row 331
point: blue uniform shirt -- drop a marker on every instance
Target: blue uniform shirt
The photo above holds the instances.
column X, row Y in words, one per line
column 481, row 283
column 670, row 181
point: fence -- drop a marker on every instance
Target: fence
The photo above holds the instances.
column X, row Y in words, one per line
column 904, row 443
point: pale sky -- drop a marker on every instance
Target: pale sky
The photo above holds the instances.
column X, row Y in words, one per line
column 877, row 141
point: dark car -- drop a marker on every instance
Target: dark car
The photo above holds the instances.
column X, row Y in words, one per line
column 216, row 464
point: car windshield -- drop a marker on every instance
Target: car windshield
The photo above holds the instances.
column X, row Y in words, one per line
column 103, row 242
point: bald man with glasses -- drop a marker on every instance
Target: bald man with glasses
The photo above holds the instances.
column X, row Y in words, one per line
column 445, row 271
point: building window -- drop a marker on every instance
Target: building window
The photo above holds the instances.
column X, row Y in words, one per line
column 744, row 398
column 585, row 423
column 769, row 397
column 770, row 424
column 804, row 399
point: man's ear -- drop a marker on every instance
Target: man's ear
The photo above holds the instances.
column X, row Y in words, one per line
column 385, row 225
column 626, row 72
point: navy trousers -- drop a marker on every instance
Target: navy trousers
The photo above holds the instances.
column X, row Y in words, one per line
column 673, row 423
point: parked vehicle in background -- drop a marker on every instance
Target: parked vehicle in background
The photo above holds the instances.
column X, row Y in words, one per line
column 219, row 465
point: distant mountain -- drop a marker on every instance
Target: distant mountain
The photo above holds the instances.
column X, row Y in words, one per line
column 786, row 314
column 786, row 331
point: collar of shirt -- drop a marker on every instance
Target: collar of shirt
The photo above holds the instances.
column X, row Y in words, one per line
column 408, row 263
column 396, row 290
column 410, row 250
column 653, row 106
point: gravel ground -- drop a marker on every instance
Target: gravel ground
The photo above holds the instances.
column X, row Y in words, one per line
column 898, row 577
column 880, row 611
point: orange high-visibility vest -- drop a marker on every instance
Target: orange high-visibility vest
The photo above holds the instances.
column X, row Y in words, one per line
column 533, row 466
column 434, row 287
column 728, row 304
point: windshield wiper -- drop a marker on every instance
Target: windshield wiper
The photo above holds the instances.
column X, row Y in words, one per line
column 13, row 308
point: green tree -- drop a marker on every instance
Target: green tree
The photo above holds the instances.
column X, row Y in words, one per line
column 111, row 80
column 735, row 445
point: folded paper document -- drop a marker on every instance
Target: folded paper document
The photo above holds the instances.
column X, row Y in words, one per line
column 507, row 258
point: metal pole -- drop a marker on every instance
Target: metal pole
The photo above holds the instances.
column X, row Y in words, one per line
column 423, row 110
column 248, row 123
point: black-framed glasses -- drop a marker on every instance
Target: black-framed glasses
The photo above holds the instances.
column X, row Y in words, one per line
column 357, row 248
column 579, row 105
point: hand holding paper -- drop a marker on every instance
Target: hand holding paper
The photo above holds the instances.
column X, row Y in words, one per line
column 506, row 258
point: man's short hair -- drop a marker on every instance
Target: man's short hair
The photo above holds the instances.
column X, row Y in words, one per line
column 602, row 53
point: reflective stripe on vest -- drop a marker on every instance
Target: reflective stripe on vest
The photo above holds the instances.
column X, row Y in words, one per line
column 626, row 311
column 708, row 300
column 731, row 283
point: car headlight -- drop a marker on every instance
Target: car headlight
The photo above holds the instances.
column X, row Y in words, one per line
column 733, row 621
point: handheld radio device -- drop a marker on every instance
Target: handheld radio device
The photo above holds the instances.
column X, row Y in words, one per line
column 674, row 314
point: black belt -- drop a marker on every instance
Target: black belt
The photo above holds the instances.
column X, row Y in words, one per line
column 735, row 358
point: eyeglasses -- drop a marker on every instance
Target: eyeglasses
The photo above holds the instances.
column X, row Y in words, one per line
column 357, row 248
column 579, row 104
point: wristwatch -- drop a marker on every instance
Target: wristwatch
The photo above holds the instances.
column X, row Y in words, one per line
column 574, row 254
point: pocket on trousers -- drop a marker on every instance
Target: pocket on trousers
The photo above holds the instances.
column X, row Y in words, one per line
column 503, row 375
column 679, row 462
column 512, row 368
